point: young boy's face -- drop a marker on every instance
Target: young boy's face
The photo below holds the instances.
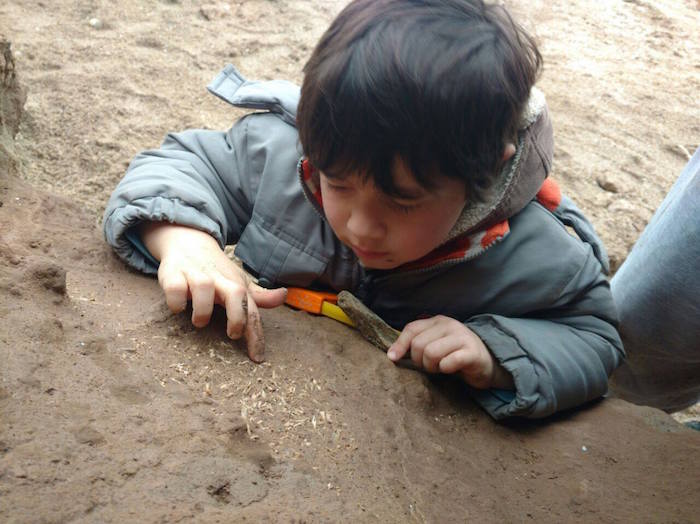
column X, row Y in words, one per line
column 386, row 232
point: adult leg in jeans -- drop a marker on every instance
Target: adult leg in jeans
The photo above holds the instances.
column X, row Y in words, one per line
column 657, row 292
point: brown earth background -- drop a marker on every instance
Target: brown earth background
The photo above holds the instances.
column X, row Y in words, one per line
column 112, row 410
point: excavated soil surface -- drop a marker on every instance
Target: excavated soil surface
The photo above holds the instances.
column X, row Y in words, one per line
column 113, row 410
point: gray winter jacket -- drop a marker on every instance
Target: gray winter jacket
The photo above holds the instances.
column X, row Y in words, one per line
column 534, row 293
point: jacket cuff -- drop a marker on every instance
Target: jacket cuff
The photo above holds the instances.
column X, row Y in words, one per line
column 119, row 227
column 527, row 400
column 132, row 236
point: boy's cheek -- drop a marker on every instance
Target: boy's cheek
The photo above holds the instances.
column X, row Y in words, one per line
column 334, row 215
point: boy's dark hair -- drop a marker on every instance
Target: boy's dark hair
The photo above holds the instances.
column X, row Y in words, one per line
column 440, row 83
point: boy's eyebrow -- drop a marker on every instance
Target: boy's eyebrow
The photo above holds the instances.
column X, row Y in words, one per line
column 408, row 194
column 396, row 191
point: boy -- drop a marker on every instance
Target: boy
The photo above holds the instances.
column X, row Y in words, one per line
column 423, row 146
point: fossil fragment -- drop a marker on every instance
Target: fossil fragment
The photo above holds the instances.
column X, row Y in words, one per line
column 370, row 325
column 367, row 322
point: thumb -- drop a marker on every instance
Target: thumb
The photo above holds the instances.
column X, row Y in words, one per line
column 267, row 298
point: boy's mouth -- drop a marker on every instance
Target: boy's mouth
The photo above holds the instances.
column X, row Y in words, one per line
column 368, row 254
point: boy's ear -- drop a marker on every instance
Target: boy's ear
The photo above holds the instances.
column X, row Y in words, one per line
column 508, row 152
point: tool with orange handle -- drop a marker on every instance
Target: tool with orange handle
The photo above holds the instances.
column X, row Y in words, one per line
column 318, row 303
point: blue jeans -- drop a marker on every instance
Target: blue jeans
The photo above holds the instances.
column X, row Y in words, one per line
column 657, row 292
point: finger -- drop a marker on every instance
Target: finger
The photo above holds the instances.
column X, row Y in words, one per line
column 255, row 339
column 202, row 290
column 436, row 350
column 267, row 298
column 174, row 285
column 476, row 365
column 235, row 299
column 457, row 361
column 403, row 343
column 433, row 331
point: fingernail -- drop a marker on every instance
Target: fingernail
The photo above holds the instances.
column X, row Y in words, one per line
column 391, row 354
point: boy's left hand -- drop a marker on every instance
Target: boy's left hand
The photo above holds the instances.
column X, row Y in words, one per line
column 445, row 345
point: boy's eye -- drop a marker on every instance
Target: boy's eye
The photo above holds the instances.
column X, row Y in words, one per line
column 404, row 208
column 336, row 187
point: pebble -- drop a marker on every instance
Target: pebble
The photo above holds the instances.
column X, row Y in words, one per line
column 96, row 23
column 607, row 185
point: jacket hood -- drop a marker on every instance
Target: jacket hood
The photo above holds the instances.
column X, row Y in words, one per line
column 521, row 178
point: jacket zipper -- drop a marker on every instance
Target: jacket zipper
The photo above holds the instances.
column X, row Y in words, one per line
column 304, row 189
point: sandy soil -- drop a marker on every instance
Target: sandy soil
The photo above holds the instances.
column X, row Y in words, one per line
column 111, row 410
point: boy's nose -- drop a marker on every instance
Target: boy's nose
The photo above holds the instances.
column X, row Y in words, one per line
column 366, row 224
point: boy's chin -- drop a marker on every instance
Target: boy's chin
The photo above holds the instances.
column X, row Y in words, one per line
column 379, row 264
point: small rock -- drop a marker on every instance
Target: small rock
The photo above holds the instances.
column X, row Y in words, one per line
column 96, row 23
column 607, row 185
column 88, row 435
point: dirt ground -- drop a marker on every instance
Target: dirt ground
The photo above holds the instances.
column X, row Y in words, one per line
column 112, row 410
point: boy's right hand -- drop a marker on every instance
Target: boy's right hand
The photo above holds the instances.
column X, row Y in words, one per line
column 193, row 267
